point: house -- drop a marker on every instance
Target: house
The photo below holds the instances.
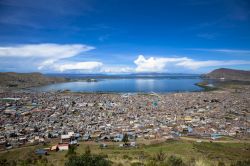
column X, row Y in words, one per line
column 188, row 119
column 133, row 144
column 65, row 138
column 54, row 148
column 105, row 137
column 41, row 152
column 118, row 137
column 73, row 142
column 63, row 147
column 86, row 137
column 215, row 136
column 22, row 140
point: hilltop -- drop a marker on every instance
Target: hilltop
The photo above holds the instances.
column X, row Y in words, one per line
column 24, row 80
column 229, row 74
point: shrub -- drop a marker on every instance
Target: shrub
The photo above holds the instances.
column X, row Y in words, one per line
column 137, row 164
column 220, row 163
column 125, row 138
column 175, row 161
column 71, row 151
column 242, row 163
column 88, row 160
column 125, row 156
column 160, row 156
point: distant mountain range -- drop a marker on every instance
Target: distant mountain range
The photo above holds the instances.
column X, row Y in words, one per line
column 24, row 80
column 132, row 75
column 228, row 74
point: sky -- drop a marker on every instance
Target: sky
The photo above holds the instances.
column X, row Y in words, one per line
column 124, row 36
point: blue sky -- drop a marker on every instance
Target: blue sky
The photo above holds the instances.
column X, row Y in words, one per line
column 124, row 36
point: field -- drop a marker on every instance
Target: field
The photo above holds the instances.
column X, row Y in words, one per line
column 189, row 150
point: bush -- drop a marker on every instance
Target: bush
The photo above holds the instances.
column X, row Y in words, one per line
column 125, row 156
column 221, row 163
column 4, row 162
column 71, row 151
column 31, row 159
column 175, row 161
column 125, row 138
column 87, row 150
column 137, row 164
column 88, row 160
column 160, row 156
column 242, row 163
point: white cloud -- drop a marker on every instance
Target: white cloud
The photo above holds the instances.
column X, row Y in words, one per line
column 45, row 50
column 86, row 66
column 153, row 64
column 117, row 69
column 192, row 64
column 223, row 50
column 49, row 57
column 45, row 55
column 160, row 64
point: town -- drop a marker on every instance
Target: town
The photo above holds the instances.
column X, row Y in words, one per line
column 29, row 118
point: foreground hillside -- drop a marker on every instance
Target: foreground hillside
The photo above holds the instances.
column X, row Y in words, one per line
column 168, row 153
column 24, row 80
column 229, row 74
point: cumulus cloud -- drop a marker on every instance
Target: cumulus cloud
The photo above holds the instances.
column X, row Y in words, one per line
column 160, row 64
column 153, row 64
column 50, row 57
column 89, row 66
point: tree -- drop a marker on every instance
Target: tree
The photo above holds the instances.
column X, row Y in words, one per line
column 50, row 135
column 71, row 151
column 125, row 138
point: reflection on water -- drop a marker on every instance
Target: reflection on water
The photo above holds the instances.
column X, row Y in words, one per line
column 128, row 85
column 142, row 84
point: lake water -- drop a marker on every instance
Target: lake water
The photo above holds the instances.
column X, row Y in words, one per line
column 129, row 85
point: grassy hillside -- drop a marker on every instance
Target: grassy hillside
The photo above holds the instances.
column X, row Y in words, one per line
column 191, row 152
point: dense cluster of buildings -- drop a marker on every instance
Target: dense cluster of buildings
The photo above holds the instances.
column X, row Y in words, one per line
column 29, row 117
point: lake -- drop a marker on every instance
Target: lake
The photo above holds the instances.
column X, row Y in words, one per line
column 129, row 85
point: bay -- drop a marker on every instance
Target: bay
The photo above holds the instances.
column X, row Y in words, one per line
column 129, row 85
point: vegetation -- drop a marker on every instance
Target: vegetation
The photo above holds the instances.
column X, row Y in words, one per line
column 125, row 138
column 88, row 159
column 241, row 163
column 30, row 160
column 181, row 152
column 71, row 151
column 160, row 156
column 206, row 86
